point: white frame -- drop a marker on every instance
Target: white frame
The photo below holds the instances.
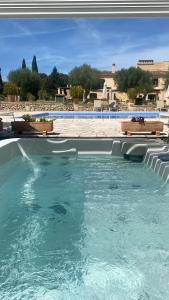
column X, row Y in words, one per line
column 83, row 8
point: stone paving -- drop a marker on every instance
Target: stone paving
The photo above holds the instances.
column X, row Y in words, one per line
column 85, row 127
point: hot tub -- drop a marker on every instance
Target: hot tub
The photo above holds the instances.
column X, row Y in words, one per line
column 77, row 221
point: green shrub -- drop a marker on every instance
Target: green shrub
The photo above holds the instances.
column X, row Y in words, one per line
column 29, row 118
column 43, row 119
column 10, row 89
column 76, row 92
column 42, row 95
column 30, row 97
column 2, row 98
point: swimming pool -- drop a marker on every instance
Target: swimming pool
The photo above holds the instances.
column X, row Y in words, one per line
column 97, row 115
column 82, row 227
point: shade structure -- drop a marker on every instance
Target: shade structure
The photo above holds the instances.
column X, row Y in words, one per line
column 83, row 8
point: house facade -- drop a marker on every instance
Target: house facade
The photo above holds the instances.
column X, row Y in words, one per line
column 159, row 71
column 158, row 95
column 112, row 91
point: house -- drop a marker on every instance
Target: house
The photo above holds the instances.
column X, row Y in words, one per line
column 158, row 95
column 159, row 71
column 112, row 92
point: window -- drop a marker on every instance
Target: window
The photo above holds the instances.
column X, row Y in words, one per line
column 155, row 82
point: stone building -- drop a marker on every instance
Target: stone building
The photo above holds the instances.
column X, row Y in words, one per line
column 110, row 83
column 62, row 93
column 158, row 95
column 112, row 92
column 159, row 71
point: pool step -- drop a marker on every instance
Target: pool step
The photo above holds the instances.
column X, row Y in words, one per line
column 158, row 160
column 57, row 142
column 150, row 152
column 85, row 146
column 91, row 147
column 72, row 151
column 62, row 146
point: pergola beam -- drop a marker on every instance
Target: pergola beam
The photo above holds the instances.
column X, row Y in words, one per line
column 88, row 9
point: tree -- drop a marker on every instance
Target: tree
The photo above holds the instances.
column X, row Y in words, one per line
column 52, row 82
column 1, row 83
column 132, row 93
column 63, row 80
column 27, row 81
column 10, row 89
column 23, row 64
column 86, row 77
column 76, row 92
column 34, row 65
column 54, row 75
column 134, row 78
column 30, row 97
column 42, row 95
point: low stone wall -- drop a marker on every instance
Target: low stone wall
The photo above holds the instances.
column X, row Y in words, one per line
column 34, row 106
column 55, row 106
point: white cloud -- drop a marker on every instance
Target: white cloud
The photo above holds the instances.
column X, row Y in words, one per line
column 127, row 53
column 84, row 41
column 23, row 31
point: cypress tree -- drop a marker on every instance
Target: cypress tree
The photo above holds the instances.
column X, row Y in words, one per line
column 1, row 83
column 23, row 64
column 54, row 75
column 52, row 82
column 34, row 65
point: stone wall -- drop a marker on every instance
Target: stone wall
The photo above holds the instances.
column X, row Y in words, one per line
column 34, row 106
column 43, row 106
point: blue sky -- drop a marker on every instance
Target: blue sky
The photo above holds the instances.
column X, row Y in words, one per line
column 67, row 43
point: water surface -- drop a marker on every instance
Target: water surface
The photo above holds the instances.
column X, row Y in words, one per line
column 83, row 228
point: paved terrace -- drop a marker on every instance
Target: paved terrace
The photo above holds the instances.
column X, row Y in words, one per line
column 85, row 127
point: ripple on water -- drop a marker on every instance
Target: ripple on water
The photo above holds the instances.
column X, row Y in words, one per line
column 113, row 186
column 33, row 207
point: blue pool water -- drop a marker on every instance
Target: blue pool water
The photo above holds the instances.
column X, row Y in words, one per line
column 82, row 228
column 97, row 115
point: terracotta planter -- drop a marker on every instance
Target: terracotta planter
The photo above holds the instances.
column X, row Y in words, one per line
column 147, row 126
column 23, row 126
